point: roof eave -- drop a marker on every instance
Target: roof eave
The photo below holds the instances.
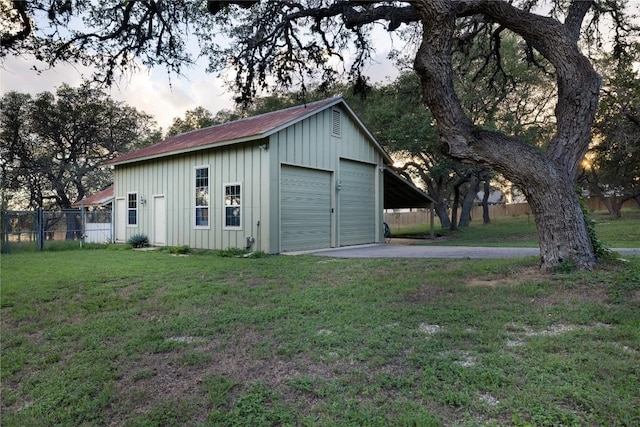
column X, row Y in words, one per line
column 337, row 100
column 188, row 150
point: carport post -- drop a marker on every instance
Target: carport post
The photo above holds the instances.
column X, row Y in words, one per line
column 431, row 232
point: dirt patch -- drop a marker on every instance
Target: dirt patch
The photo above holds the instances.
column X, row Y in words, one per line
column 530, row 274
column 520, row 333
column 162, row 377
column 427, row 294
column 428, row 329
column 574, row 295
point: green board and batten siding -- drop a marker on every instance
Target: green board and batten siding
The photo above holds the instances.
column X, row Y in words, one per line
column 173, row 178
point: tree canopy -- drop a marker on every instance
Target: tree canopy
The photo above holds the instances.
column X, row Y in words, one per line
column 612, row 167
column 284, row 43
column 197, row 118
column 52, row 144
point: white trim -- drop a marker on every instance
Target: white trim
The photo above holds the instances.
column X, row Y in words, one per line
column 224, row 205
column 194, row 196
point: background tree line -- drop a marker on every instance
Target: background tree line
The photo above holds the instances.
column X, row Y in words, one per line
column 53, row 144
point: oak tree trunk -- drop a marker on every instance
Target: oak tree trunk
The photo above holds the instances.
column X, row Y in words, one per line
column 612, row 205
column 562, row 229
column 547, row 177
column 467, row 203
column 443, row 215
column 454, row 206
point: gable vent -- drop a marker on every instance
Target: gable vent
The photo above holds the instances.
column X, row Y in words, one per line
column 335, row 123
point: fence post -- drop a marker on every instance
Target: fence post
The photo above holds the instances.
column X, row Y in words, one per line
column 83, row 227
column 40, row 229
column 4, row 245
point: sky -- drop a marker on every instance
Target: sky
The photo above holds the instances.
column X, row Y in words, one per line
column 152, row 91
column 147, row 90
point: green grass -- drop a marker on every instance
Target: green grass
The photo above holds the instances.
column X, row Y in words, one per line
column 521, row 231
column 117, row 337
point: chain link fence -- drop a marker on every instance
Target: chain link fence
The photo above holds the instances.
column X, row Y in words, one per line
column 48, row 230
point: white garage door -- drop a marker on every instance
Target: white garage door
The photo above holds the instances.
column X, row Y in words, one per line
column 305, row 209
column 357, row 203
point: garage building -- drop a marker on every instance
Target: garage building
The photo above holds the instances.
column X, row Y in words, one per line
column 306, row 177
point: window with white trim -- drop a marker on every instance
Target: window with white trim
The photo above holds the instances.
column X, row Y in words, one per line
column 232, row 205
column 201, row 196
column 132, row 209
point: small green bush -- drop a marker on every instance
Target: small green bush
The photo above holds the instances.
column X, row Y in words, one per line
column 180, row 250
column 138, row 241
column 230, row 252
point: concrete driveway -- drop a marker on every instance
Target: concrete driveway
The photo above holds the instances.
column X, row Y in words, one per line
column 399, row 249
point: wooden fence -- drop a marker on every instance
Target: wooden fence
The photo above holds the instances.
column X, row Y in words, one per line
column 398, row 220
column 595, row 204
column 495, row 211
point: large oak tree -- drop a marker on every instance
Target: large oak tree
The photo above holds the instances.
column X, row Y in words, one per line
column 285, row 42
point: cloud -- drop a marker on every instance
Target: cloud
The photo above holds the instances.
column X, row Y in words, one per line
column 166, row 98
column 17, row 74
column 151, row 91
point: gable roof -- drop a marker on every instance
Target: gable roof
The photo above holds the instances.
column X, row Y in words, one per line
column 100, row 198
column 243, row 130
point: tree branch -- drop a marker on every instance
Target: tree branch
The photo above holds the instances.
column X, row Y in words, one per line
column 8, row 40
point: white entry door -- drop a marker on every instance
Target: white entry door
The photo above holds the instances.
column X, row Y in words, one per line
column 159, row 221
column 121, row 220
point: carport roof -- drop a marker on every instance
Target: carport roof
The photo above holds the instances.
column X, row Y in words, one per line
column 401, row 193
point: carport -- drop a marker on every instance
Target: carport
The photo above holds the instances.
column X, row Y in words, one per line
column 400, row 193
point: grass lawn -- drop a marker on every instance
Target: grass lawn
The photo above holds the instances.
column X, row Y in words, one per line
column 521, row 231
column 121, row 337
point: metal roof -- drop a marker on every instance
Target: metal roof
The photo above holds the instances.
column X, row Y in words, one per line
column 100, row 198
column 402, row 193
column 248, row 129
